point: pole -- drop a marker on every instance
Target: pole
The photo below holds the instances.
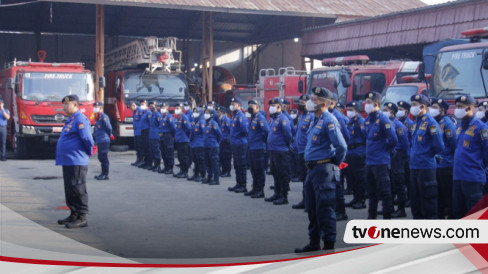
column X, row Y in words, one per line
column 100, row 50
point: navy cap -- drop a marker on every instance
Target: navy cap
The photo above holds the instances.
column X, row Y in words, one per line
column 236, row 100
column 322, row 92
column 373, row 95
column 275, row 101
column 285, row 102
column 98, row 104
column 294, row 111
column 304, row 97
column 334, row 97
column 70, row 98
column 339, row 105
column 222, row 109
column 442, row 103
column 353, row 104
column 404, row 104
column 391, row 106
column 144, row 102
column 421, row 99
column 482, row 104
column 254, row 102
column 466, row 99
column 164, row 105
column 153, row 103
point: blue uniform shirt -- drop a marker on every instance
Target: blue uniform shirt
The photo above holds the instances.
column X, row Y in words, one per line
column 279, row 137
column 238, row 130
column 408, row 124
column 426, row 143
column 292, row 126
column 197, row 133
column 144, row 119
column 225, row 127
column 182, row 129
column 403, row 144
column 154, row 122
column 167, row 124
column 358, row 135
column 258, row 132
column 3, row 121
column 136, row 121
column 304, row 122
column 448, row 129
column 213, row 134
column 75, row 142
column 103, row 129
column 324, row 140
column 471, row 154
column 342, row 124
column 189, row 115
column 381, row 139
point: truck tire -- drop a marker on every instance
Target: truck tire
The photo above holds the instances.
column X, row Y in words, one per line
column 20, row 149
column 119, row 148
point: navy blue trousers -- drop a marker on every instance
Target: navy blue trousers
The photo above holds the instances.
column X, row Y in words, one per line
column 225, row 156
column 379, row 187
column 423, row 193
column 75, row 188
column 257, row 169
column 239, row 153
column 167, row 147
column 103, row 149
column 212, row 162
column 464, row 196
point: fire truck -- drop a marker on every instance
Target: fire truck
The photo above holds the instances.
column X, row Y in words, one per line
column 144, row 69
column 462, row 69
column 33, row 91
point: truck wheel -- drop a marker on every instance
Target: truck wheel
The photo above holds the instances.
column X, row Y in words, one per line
column 20, row 149
column 119, row 148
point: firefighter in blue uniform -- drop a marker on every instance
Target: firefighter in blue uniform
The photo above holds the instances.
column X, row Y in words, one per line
column 225, row 150
column 212, row 138
column 4, row 117
column 304, row 121
column 438, row 110
column 212, row 108
column 356, row 155
column 167, row 130
column 197, row 147
column 258, row 134
column 482, row 112
column 294, row 155
column 136, row 124
column 279, row 141
column 470, row 158
column 188, row 110
column 326, row 148
column 403, row 116
column 238, row 142
column 73, row 149
column 182, row 141
column 380, row 142
column 102, row 135
column 285, row 105
column 144, row 124
column 154, row 122
column 426, row 143
column 398, row 159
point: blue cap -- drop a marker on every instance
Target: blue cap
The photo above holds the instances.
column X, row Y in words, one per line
column 442, row 103
column 339, row 105
column 353, row 104
column 322, row 92
column 285, row 102
column 482, row 104
column 391, row 106
column 421, row 99
column 404, row 105
column 373, row 95
column 334, row 97
column 70, row 98
column 304, row 97
column 236, row 100
column 466, row 99
column 98, row 104
column 254, row 102
column 276, row 101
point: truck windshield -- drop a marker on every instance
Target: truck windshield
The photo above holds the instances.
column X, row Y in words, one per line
column 155, row 86
column 328, row 79
column 366, row 82
column 53, row 86
column 459, row 72
column 394, row 94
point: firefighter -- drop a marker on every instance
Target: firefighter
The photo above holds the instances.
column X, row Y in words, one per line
column 225, row 150
column 103, row 135
column 138, row 144
column 403, row 116
column 182, row 141
column 426, row 143
column 482, row 112
column 212, row 108
column 238, row 142
column 379, row 144
column 4, row 117
column 154, row 124
column 325, row 149
column 212, row 138
column 438, row 111
column 167, row 130
column 285, row 107
column 73, row 149
column 470, row 158
column 197, row 146
column 144, row 125
column 294, row 155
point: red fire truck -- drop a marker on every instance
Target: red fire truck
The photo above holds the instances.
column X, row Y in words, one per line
column 145, row 69
column 33, row 91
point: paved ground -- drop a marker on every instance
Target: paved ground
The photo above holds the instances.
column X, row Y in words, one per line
column 141, row 214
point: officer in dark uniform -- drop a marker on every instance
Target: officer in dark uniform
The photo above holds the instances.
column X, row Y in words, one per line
column 144, row 124
column 154, row 122
column 380, row 142
column 294, row 155
column 470, row 158
column 398, row 159
column 212, row 138
column 356, row 155
column 326, row 148
column 426, row 143
column 182, row 142
column 482, row 112
column 188, row 110
column 238, row 142
column 403, row 116
column 438, row 110
column 138, row 144
column 167, row 130
column 225, row 150
column 103, row 134
column 279, row 141
column 74, row 147
column 285, row 104
column 197, row 146
column 212, row 108
column 258, row 134
column 4, row 117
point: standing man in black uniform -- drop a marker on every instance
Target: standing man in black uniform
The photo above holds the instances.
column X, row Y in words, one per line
column 4, row 117
column 103, row 135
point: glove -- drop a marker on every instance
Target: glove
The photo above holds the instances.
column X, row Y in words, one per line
column 112, row 137
column 95, row 149
column 343, row 165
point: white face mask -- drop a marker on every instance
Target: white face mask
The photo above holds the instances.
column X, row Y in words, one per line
column 400, row 113
column 163, row 110
column 460, row 113
column 272, row 110
column 232, row 108
column 368, row 108
column 195, row 114
column 248, row 115
column 206, row 116
column 310, row 106
column 143, row 107
column 415, row 110
column 177, row 111
column 187, row 108
column 96, row 110
column 480, row 114
column 387, row 113
column 293, row 116
column 434, row 112
column 351, row 114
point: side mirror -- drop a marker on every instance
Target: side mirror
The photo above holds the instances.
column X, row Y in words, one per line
column 485, row 60
column 422, row 71
column 345, row 79
column 101, row 82
column 10, row 83
column 301, row 86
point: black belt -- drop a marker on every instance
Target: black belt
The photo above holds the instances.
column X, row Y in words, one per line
column 355, row 146
column 312, row 164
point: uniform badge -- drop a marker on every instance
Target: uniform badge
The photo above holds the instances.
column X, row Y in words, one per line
column 484, row 134
column 274, row 128
column 387, row 126
column 284, row 123
column 400, row 131
column 448, row 133
column 253, row 128
column 81, row 126
column 469, row 132
column 331, row 126
column 164, row 124
column 466, row 143
column 207, row 131
column 375, row 134
column 433, row 130
column 377, row 121
column 420, row 138
column 196, row 129
column 315, row 138
column 98, row 126
column 262, row 123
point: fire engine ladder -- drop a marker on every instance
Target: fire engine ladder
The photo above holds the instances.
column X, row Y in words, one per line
column 284, row 72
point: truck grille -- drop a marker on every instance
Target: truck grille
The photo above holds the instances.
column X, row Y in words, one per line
column 49, row 119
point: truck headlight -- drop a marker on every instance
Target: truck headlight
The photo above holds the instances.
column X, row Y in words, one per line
column 128, row 120
column 28, row 130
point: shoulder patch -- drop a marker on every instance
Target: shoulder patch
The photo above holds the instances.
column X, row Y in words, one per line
column 484, row 134
column 458, row 130
column 433, row 129
column 331, row 126
column 387, row 125
column 448, row 133
column 400, row 131
column 81, row 126
column 284, row 122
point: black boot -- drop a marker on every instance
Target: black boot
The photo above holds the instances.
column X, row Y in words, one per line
column 273, row 198
column 225, row 174
column 214, row 183
column 191, row 178
column 359, row 205
column 240, row 189
column 232, row 188
column 157, row 166
column 341, row 212
column 258, row 194
column 312, row 246
column 282, row 200
column 328, row 245
column 71, row 218
column 250, row 192
column 206, row 180
column 300, row 205
column 168, row 171
column 399, row 213
column 79, row 222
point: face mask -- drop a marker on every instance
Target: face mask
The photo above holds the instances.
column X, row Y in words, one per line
column 178, row 111
column 415, row 110
column 460, row 113
column 434, row 112
column 143, row 107
column 195, row 114
column 311, row 105
column 232, row 108
column 248, row 115
column 96, row 110
column 301, row 108
column 400, row 113
column 210, row 108
column 206, row 116
column 272, row 110
column 368, row 108
column 250, row 110
column 293, row 116
column 479, row 115
column 387, row 113
column 163, row 110
column 187, row 108
column 351, row 114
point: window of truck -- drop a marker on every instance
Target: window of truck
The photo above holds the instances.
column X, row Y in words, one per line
column 330, row 80
column 366, row 82
column 394, row 94
column 155, row 85
column 53, row 86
